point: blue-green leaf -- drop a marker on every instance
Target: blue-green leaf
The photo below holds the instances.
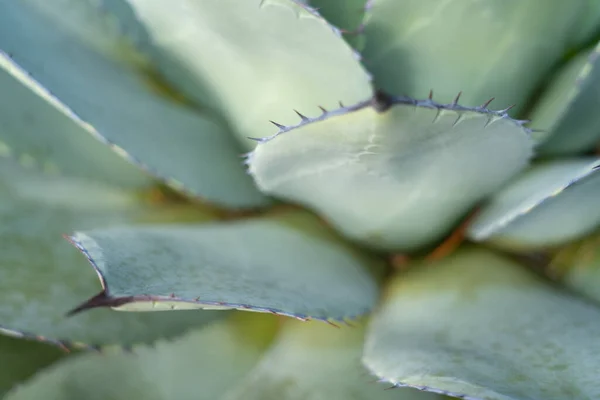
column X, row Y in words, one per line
column 550, row 204
column 478, row 326
column 202, row 365
column 252, row 60
column 289, row 264
column 42, row 278
column 75, row 51
column 397, row 179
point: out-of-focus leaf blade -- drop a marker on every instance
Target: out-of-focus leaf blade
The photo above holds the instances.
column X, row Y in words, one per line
column 20, row 359
column 550, row 204
column 37, row 129
column 73, row 49
column 253, row 60
column 478, row 326
column 578, row 266
column 313, row 361
column 398, row 179
column 289, row 265
column 493, row 48
column 567, row 116
column 200, row 366
column 42, row 278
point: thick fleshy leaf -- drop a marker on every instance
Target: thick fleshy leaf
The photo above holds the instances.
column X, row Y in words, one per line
column 347, row 15
column 38, row 130
column 589, row 24
column 20, row 359
column 567, row 116
column 41, row 277
column 74, row 50
column 289, row 265
column 253, row 60
column 478, row 326
column 548, row 205
column 476, row 47
column 397, row 179
column 201, row 365
column 312, row 361
column 578, row 266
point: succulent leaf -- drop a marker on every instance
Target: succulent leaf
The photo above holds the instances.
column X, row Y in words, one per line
column 493, row 48
column 288, row 265
column 477, row 326
column 577, row 266
column 74, row 51
column 41, row 277
column 347, row 15
column 200, row 366
column 253, row 60
column 311, row 361
column 548, row 205
column 567, row 115
column 21, row 359
column 40, row 131
column 398, row 179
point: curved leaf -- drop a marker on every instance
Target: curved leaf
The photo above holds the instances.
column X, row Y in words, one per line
column 311, row 361
column 476, row 47
column 548, row 205
column 397, row 179
column 71, row 48
column 347, row 15
column 478, row 326
column 253, row 60
column 41, row 277
column 201, row 365
column 37, row 129
column 568, row 112
column 578, row 266
column 288, row 265
column 21, row 359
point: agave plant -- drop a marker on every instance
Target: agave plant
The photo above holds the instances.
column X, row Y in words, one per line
column 337, row 167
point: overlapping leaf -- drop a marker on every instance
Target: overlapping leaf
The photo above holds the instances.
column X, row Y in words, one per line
column 396, row 179
column 478, row 326
column 42, row 277
column 201, row 365
column 493, row 48
column 74, row 51
column 254, row 60
column 312, row 361
column 567, row 116
column 289, row 264
column 550, row 204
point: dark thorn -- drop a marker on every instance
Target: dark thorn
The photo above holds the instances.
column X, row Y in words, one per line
column 278, row 125
column 302, row 117
column 332, row 324
column 390, row 388
column 323, row 109
column 381, row 101
column 341, row 104
column 487, row 103
column 508, row 108
column 430, row 97
column 256, row 139
column 99, row 300
column 455, row 102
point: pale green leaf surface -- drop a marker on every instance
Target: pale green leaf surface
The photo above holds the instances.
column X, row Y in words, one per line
column 550, row 204
column 253, row 60
column 589, row 23
column 38, row 130
column 578, row 266
column 493, row 48
column 20, row 359
column 347, row 15
column 568, row 112
column 74, row 50
column 41, row 277
column 314, row 361
column 264, row 265
column 202, row 365
column 396, row 180
column 478, row 326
